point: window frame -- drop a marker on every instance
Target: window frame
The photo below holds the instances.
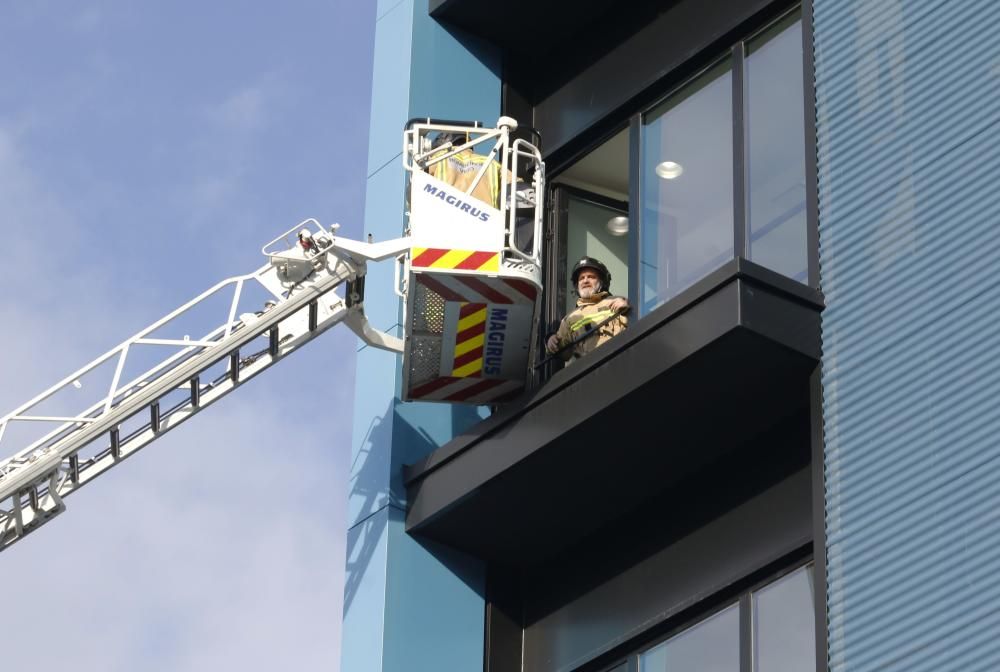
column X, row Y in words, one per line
column 737, row 55
column 744, row 600
column 635, row 119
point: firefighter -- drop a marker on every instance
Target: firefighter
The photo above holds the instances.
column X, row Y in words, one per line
column 461, row 169
column 596, row 311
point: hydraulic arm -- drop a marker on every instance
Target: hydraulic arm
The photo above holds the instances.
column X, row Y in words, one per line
column 468, row 271
column 305, row 267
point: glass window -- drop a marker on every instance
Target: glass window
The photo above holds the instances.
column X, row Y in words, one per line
column 687, row 187
column 710, row 646
column 776, row 154
column 784, row 624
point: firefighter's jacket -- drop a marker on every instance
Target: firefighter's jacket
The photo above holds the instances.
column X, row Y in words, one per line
column 588, row 314
column 461, row 169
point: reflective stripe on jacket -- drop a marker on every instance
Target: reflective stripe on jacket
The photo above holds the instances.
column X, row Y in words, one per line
column 588, row 314
column 460, row 170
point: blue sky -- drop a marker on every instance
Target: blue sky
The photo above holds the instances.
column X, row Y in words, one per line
column 147, row 151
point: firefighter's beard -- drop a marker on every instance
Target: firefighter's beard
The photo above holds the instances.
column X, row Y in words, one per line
column 587, row 292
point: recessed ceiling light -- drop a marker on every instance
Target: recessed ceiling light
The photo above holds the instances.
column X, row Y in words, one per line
column 669, row 170
column 618, row 226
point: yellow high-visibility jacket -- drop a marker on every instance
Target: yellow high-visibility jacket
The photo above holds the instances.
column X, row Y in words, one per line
column 461, row 169
column 588, row 314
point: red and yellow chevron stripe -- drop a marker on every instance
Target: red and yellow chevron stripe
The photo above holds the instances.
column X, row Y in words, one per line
column 469, row 338
column 466, row 260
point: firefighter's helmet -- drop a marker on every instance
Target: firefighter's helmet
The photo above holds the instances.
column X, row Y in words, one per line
column 454, row 138
column 594, row 265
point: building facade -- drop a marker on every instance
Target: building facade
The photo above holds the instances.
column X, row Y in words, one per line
column 786, row 462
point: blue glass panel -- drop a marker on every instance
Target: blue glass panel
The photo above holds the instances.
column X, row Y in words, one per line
column 785, row 625
column 687, row 187
column 710, row 646
column 776, row 194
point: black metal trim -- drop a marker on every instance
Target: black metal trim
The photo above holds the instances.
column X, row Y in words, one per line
column 635, row 207
column 504, row 628
column 812, row 168
column 555, row 258
column 816, row 381
column 272, row 341
column 154, row 417
column 74, row 467
column 819, row 515
column 313, row 315
column 740, row 217
column 746, row 633
column 234, row 366
column 116, row 444
column 196, row 392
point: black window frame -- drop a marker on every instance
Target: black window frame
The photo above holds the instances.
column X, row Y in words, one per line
column 742, row 598
column 633, row 117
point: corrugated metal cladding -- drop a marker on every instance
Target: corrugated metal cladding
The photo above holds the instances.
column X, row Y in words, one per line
column 908, row 105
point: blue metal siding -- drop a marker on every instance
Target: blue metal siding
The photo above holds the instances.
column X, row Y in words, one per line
column 908, row 149
column 407, row 606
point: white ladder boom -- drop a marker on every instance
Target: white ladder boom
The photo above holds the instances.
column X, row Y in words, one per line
column 301, row 276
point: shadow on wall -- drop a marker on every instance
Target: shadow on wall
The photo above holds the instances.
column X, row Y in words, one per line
column 377, row 480
column 368, row 483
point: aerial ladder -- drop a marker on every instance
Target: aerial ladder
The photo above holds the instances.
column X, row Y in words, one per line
column 467, row 269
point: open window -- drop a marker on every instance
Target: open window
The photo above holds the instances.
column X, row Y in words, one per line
column 710, row 170
column 591, row 218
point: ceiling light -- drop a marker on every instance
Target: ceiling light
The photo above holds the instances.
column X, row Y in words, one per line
column 669, row 170
column 618, row 226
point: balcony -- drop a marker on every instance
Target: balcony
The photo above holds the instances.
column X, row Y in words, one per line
column 703, row 375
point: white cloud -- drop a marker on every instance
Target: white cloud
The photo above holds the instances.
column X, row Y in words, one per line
column 243, row 111
column 88, row 19
column 220, row 546
column 43, row 275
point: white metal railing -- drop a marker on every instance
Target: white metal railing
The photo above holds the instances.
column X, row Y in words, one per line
column 67, row 424
column 92, row 438
column 419, row 155
column 215, row 337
